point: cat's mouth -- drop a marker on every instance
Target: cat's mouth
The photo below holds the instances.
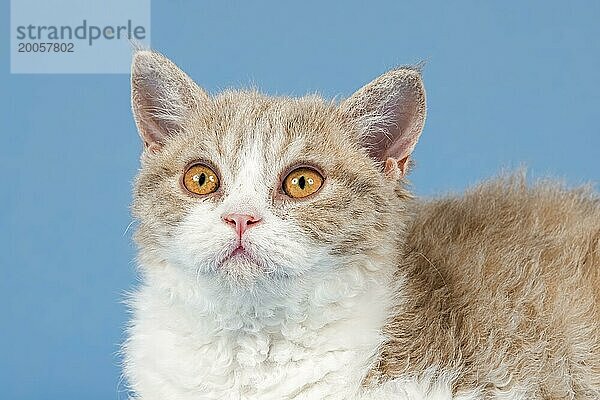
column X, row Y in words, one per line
column 239, row 253
column 245, row 262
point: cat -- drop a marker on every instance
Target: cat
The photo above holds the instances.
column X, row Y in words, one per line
column 282, row 257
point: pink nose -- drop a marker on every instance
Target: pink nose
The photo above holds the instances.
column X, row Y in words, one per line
column 241, row 222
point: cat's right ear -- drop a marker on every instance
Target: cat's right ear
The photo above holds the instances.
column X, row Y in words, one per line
column 162, row 97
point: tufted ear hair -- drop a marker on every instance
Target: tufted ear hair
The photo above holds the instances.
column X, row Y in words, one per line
column 390, row 113
column 162, row 98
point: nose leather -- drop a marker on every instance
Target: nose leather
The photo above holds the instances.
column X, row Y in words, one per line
column 241, row 222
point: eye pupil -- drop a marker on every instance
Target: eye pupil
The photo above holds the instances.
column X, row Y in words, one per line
column 200, row 179
column 302, row 182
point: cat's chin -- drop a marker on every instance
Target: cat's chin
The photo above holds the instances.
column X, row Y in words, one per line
column 243, row 268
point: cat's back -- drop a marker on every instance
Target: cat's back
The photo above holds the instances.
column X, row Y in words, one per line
column 506, row 283
column 507, row 234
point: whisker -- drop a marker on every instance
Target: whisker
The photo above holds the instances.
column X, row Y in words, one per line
column 128, row 226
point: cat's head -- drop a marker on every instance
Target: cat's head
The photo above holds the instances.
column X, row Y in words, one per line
column 246, row 188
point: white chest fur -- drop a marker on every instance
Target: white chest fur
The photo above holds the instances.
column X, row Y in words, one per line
column 319, row 345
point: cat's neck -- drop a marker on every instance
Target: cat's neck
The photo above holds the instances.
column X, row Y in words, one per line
column 335, row 293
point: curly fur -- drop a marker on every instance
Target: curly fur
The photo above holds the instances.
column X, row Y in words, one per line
column 359, row 291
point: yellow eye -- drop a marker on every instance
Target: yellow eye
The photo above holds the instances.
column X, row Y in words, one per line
column 302, row 182
column 200, row 179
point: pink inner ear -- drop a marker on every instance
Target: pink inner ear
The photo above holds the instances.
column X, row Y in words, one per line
column 403, row 145
column 397, row 134
column 148, row 98
column 396, row 169
column 396, row 142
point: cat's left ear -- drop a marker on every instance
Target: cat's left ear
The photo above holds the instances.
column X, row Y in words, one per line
column 163, row 98
column 390, row 114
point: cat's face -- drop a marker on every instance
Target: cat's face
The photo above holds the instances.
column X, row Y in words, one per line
column 245, row 188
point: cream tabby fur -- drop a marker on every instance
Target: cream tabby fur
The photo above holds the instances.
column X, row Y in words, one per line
column 358, row 291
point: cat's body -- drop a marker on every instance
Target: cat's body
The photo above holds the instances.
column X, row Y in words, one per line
column 504, row 289
column 355, row 290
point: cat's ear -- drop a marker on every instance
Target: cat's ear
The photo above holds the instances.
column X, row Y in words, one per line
column 162, row 97
column 390, row 113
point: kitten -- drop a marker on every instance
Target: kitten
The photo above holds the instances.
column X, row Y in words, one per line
column 283, row 258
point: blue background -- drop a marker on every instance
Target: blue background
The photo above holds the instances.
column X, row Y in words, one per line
column 508, row 83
